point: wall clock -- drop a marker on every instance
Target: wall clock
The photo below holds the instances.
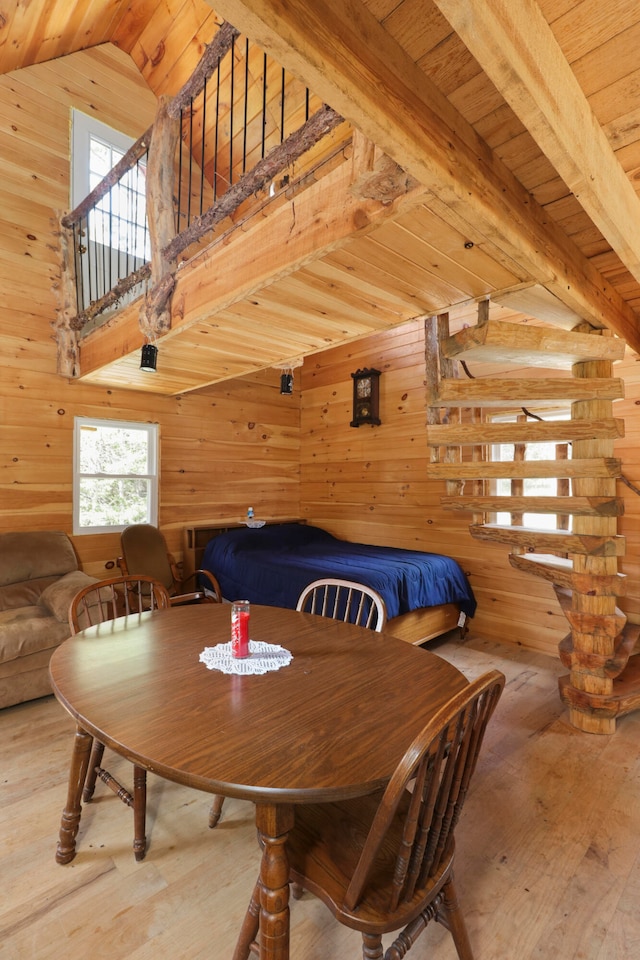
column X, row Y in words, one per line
column 366, row 396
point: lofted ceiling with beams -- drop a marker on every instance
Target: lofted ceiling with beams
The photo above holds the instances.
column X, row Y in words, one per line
column 517, row 126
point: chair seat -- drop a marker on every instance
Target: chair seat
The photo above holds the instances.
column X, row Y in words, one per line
column 325, row 846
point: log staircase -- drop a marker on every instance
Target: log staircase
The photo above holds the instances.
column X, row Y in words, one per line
column 466, row 416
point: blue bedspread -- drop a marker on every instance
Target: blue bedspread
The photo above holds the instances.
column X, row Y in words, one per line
column 272, row 565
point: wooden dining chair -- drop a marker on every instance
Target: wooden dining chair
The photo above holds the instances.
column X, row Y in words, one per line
column 344, row 600
column 97, row 603
column 383, row 863
column 144, row 551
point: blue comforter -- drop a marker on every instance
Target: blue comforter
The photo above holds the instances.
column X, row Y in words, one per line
column 272, row 565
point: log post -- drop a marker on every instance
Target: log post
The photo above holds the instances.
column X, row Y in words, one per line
column 601, row 609
column 155, row 313
column 66, row 337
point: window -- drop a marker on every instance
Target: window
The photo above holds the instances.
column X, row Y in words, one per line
column 115, row 475
column 531, row 486
column 116, row 239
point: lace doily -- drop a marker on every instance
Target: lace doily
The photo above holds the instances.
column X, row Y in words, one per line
column 262, row 658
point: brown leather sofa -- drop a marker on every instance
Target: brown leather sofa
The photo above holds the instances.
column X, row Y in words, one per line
column 39, row 576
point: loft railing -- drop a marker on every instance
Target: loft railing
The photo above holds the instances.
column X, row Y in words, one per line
column 110, row 233
column 241, row 121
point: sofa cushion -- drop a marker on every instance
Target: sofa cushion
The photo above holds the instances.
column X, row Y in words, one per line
column 29, row 561
column 58, row 595
column 27, row 630
column 29, row 554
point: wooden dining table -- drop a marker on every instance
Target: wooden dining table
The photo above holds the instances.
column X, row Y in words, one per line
column 330, row 725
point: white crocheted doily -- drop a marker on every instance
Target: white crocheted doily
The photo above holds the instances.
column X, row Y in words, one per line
column 262, row 658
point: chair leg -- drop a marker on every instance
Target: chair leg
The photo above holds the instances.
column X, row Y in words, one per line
column 97, row 752
column 215, row 811
column 372, row 946
column 139, row 812
column 449, row 913
column 250, row 927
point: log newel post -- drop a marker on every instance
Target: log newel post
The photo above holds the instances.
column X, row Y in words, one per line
column 68, row 360
column 155, row 313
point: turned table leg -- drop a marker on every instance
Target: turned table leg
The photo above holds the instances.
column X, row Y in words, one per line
column 70, row 822
column 274, row 823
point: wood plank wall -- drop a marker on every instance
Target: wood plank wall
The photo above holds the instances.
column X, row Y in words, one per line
column 222, row 449
column 240, row 443
column 369, row 483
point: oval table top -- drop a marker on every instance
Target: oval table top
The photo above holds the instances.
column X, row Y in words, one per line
column 332, row 724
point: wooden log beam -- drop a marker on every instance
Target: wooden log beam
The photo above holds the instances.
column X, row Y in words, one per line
column 213, row 54
column 520, row 54
column 342, row 53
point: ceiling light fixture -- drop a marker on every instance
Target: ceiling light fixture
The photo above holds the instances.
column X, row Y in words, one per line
column 149, row 358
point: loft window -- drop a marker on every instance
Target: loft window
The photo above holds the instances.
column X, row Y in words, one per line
column 115, row 240
column 115, row 473
column 532, row 486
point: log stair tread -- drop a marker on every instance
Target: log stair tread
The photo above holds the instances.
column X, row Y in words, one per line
column 546, row 391
column 601, row 467
column 497, row 342
column 571, row 506
column 600, row 625
column 625, row 696
column 559, row 570
column 602, row 664
column 553, row 431
column 561, row 541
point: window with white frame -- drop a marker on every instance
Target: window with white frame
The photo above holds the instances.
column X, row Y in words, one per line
column 115, row 475
column 531, row 486
column 117, row 240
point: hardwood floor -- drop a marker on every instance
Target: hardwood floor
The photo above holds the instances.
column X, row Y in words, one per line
column 548, row 864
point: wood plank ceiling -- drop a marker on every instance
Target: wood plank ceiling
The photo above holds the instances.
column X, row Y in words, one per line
column 520, row 124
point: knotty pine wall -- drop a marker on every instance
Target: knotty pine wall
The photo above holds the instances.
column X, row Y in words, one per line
column 221, row 449
column 369, row 483
column 240, row 443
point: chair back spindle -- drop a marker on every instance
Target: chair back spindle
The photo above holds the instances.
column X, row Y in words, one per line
column 423, row 801
column 344, row 600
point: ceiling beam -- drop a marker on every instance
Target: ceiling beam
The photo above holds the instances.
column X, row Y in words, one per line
column 345, row 56
column 518, row 51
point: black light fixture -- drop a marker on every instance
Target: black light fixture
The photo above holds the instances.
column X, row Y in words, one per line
column 286, row 383
column 149, row 358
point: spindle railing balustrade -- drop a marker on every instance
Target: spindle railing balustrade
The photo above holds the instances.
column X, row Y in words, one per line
column 238, row 110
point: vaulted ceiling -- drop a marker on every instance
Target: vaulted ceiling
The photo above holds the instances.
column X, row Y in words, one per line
column 518, row 123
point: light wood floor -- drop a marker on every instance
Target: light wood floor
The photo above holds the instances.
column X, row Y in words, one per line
column 548, row 846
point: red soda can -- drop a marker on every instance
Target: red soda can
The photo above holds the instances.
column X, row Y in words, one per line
column 240, row 628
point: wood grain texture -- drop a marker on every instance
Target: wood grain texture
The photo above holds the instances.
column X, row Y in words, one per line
column 535, row 875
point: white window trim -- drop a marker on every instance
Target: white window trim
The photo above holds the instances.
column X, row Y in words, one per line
column 83, row 127
column 153, row 452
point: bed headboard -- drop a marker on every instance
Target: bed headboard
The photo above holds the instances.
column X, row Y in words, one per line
column 196, row 536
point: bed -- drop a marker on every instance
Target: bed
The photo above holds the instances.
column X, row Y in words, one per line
column 425, row 593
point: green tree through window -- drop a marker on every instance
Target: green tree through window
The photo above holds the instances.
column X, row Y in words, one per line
column 115, row 474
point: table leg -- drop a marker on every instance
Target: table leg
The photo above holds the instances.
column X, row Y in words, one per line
column 273, row 823
column 70, row 822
